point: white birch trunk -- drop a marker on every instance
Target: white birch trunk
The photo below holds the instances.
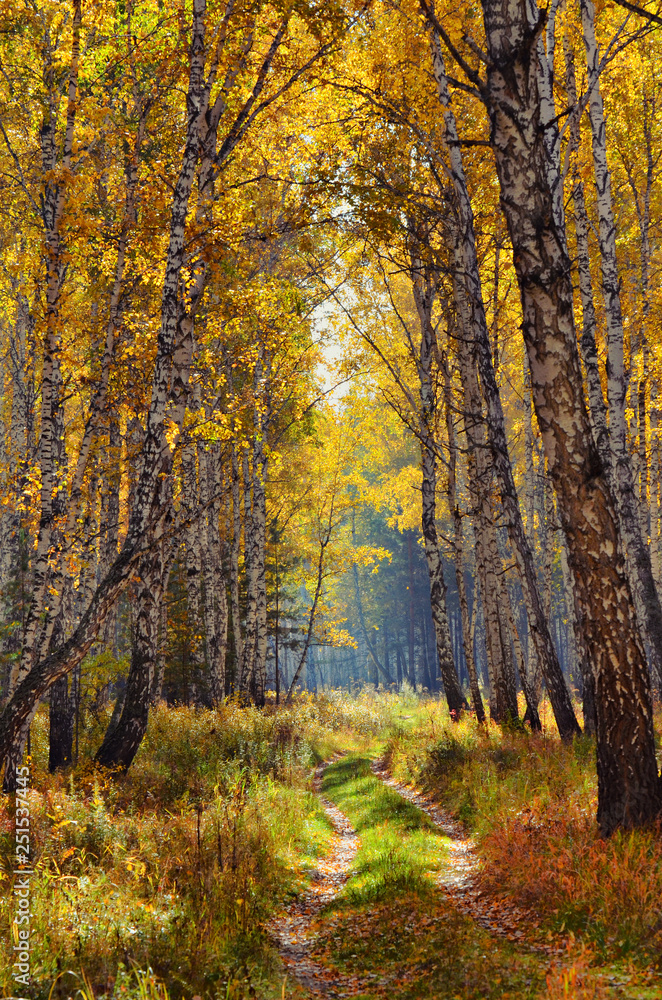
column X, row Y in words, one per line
column 423, row 297
column 237, row 631
column 161, row 650
column 174, row 346
column 251, row 556
column 467, row 620
column 193, row 562
column 261, row 419
column 215, row 605
column 17, row 446
column 596, row 400
column 642, row 203
column 508, row 619
column 156, row 456
column 646, row 597
column 548, row 117
column 628, row 785
column 471, row 312
column 656, row 474
column 53, row 211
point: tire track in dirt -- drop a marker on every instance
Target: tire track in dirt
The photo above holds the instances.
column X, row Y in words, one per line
column 291, row 931
column 461, row 879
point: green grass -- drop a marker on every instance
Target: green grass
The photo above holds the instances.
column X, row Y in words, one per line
column 399, row 844
column 391, row 922
column 164, row 880
column 114, row 893
column 530, row 803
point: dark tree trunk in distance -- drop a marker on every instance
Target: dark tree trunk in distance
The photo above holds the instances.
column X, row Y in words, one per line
column 121, row 742
column 61, row 717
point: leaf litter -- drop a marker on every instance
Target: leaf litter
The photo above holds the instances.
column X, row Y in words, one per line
column 461, row 878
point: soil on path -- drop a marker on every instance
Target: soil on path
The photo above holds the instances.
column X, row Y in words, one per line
column 297, row 931
column 292, row 930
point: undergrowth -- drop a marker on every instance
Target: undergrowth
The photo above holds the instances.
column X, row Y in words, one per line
column 530, row 802
column 399, row 847
column 160, row 885
column 163, row 881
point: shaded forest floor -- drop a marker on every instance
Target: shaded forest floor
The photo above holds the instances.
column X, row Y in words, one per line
column 429, row 860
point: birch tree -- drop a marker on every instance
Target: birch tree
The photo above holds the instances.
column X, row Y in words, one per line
column 627, row 773
column 646, row 597
column 471, row 311
column 210, row 52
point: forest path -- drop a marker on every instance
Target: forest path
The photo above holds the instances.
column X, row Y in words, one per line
column 375, row 925
column 293, row 930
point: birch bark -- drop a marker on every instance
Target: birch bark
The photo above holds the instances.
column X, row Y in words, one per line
column 193, row 561
column 59, row 515
column 411, row 635
column 215, row 602
column 156, row 453
column 184, row 279
column 47, row 577
column 646, row 597
column 507, row 618
column 642, row 203
column 596, row 400
column 471, row 312
column 220, row 515
column 161, row 650
column 53, row 213
column 423, row 297
column 109, row 522
column 19, row 456
column 122, row 741
column 579, row 644
column 261, row 419
column 251, row 559
column 237, row 633
column 535, row 671
column 458, row 549
column 547, row 532
column 507, row 640
column 628, row 786
column 503, row 696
